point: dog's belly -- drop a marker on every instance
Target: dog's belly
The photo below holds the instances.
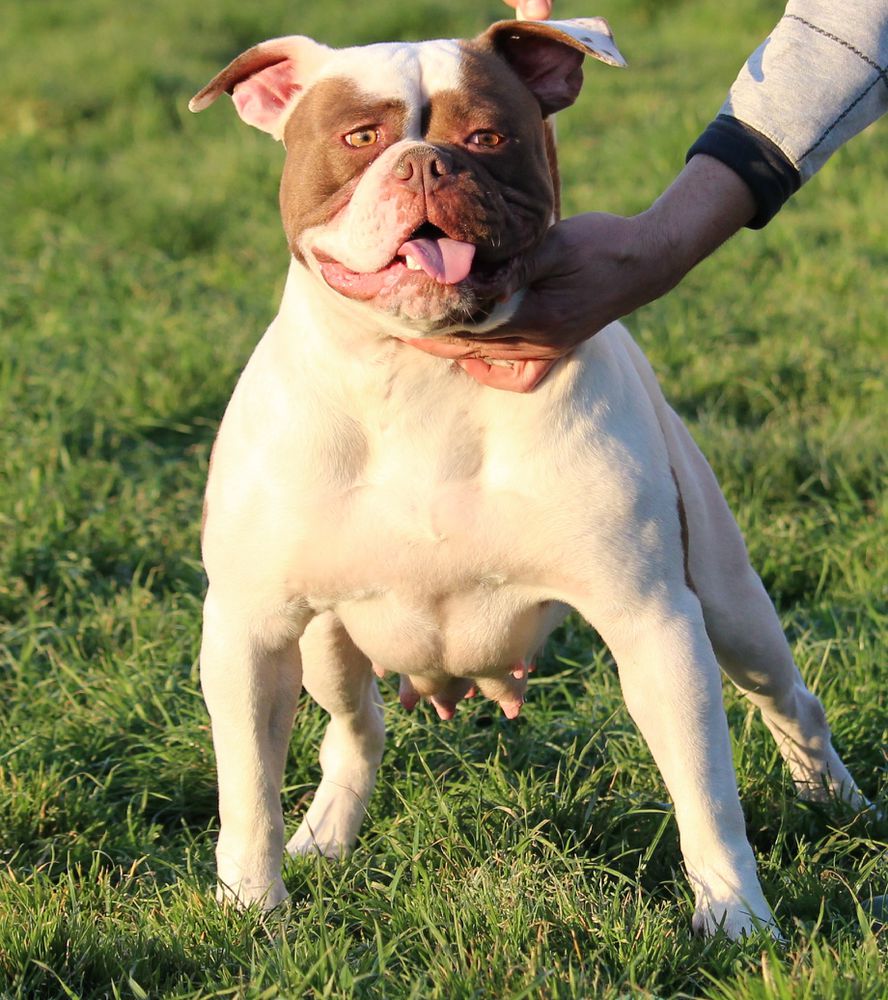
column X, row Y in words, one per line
column 432, row 579
column 480, row 631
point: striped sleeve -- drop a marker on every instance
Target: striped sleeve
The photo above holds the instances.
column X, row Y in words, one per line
column 817, row 80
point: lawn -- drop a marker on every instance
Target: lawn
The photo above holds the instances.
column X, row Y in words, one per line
column 141, row 257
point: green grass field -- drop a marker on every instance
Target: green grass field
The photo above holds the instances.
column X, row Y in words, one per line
column 141, row 258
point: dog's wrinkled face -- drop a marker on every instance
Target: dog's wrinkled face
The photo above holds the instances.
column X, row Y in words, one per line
column 416, row 175
column 418, row 202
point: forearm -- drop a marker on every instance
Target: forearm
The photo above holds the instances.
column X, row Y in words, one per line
column 818, row 80
column 705, row 205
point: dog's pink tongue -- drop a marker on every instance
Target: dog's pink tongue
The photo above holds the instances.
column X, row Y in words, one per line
column 447, row 261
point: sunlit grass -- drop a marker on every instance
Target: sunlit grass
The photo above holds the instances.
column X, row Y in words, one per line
column 141, row 258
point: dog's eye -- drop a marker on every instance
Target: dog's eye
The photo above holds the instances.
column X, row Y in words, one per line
column 486, row 138
column 362, row 137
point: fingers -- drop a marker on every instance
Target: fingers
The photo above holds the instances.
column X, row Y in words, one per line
column 442, row 348
column 519, row 376
column 532, row 10
column 522, row 374
column 459, row 348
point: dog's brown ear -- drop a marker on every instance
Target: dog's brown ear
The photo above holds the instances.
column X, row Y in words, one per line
column 548, row 55
column 265, row 81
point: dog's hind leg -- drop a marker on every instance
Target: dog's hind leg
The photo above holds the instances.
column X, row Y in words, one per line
column 740, row 619
column 340, row 679
column 745, row 631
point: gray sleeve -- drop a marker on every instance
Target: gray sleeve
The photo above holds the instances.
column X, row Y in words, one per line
column 819, row 79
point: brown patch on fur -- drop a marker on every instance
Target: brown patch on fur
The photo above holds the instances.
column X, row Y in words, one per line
column 683, row 524
column 492, row 97
column 548, row 60
column 500, row 198
column 321, row 171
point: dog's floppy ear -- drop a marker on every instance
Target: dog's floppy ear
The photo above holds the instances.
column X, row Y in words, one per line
column 265, row 81
column 548, row 55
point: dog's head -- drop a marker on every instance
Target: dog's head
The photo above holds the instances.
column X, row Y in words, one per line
column 417, row 175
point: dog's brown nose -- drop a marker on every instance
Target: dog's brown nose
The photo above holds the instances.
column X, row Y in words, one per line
column 423, row 168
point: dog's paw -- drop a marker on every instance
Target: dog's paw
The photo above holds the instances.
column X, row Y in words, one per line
column 244, row 894
column 734, row 922
column 733, row 914
column 822, row 789
column 248, row 877
column 331, row 824
column 308, row 842
column 729, row 900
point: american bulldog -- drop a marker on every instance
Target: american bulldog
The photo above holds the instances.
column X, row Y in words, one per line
column 371, row 508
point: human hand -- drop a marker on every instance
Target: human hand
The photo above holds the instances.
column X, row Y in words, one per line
column 594, row 268
column 589, row 270
column 532, row 10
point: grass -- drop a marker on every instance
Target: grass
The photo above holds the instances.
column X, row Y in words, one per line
column 141, row 257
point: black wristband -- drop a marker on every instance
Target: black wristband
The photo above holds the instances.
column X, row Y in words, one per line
column 758, row 161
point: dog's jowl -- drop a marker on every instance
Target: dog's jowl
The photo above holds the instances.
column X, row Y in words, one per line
column 371, row 508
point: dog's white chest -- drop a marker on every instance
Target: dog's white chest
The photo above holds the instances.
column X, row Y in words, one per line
column 419, row 559
column 439, row 522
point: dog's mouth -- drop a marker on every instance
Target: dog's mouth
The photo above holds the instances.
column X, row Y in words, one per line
column 431, row 250
column 429, row 257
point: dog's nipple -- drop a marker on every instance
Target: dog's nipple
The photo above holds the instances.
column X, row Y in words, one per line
column 407, row 694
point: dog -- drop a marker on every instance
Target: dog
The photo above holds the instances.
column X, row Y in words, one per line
column 371, row 508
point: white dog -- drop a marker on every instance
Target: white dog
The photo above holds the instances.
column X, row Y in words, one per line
column 372, row 506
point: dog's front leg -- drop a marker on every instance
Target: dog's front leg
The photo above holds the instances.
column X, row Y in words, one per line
column 672, row 688
column 251, row 679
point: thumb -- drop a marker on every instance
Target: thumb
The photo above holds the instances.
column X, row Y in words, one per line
column 532, row 10
column 535, row 10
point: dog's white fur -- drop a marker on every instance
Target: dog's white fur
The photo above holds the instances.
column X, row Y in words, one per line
column 370, row 503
